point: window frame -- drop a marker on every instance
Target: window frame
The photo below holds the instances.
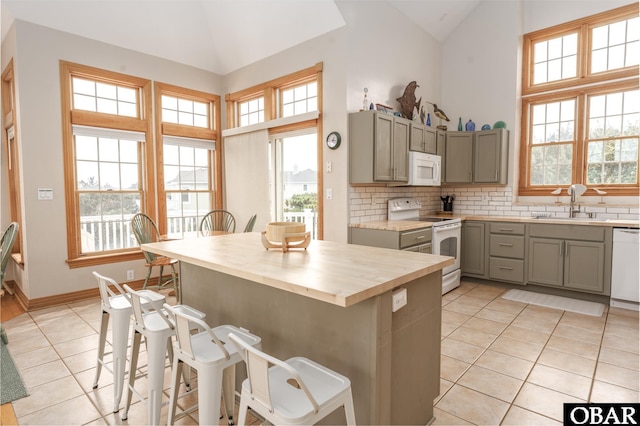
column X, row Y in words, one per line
column 580, row 88
column 186, row 131
column 70, row 117
column 11, row 147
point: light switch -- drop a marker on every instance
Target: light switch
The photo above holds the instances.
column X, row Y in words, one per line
column 45, row 194
column 329, row 194
column 329, row 166
column 399, row 299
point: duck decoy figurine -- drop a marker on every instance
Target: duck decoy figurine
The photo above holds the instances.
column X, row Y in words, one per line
column 440, row 113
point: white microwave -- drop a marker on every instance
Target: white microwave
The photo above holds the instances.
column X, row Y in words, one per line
column 424, row 169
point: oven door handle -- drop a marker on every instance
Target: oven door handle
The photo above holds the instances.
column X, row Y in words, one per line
column 446, row 228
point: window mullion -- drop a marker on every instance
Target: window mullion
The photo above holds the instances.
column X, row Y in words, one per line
column 580, row 148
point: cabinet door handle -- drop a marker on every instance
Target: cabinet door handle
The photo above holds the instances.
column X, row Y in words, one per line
column 419, row 237
column 508, row 268
column 505, row 244
column 507, row 229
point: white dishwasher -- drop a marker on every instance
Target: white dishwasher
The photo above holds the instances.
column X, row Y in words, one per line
column 625, row 272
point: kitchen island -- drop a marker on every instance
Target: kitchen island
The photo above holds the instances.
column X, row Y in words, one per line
column 332, row 303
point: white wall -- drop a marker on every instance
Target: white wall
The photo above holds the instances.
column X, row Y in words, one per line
column 36, row 61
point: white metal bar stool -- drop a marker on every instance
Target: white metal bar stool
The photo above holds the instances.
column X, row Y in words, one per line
column 157, row 330
column 208, row 353
column 116, row 306
column 297, row 391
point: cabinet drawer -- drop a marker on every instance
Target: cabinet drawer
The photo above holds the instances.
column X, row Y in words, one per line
column 507, row 246
column 506, row 269
column 507, row 228
column 410, row 238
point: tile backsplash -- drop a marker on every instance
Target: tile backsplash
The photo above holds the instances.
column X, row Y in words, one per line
column 369, row 203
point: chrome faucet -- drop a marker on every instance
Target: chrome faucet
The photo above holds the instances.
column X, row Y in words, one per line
column 572, row 210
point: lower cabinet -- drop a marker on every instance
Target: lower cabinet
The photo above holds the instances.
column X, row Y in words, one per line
column 506, row 251
column 579, row 260
column 570, row 257
column 472, row 247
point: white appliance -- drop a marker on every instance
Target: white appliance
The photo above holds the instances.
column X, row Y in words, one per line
column 445, row 235
column 625, row 276
column 424, row 169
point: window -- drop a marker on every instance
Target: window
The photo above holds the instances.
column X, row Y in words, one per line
column 12, row 155
column 251, row 111
column 107, row 176
column 300, row 99
column 191, row 184
column 581, row 105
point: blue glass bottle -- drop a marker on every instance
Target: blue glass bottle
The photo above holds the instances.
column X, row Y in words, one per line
column 428, row 119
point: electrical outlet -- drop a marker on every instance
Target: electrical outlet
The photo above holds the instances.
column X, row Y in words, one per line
column 485, row 196
column 398, row 299
column 130, row 274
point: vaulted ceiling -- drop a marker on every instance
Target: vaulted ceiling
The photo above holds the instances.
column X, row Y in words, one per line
column 215, row 35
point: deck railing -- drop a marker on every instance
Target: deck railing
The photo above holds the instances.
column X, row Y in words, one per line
column 102, row 233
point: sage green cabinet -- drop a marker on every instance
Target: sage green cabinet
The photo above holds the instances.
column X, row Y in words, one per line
column 423, row 138
column 458, row 157
column 490, row 156
column 571, row 257
column 507, row 252
column 476, row 157
column 378, row 147
column 473, row 249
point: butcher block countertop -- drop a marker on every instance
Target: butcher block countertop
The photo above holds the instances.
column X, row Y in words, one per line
column 408, row 225
column 336, row 273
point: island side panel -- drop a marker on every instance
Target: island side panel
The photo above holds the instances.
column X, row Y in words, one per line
column 415, row 359
column 354, row 341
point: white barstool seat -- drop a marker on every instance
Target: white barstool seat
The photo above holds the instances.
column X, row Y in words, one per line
column 157, row 330
column 116, row 306
column 297, row 391
column 209, row 354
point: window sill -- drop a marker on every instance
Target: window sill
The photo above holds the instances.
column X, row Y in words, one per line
column 85, row 261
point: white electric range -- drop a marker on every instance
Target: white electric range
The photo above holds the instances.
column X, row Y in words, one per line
column 445, row 239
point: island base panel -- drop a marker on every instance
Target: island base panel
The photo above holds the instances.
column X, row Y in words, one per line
column 392, row 359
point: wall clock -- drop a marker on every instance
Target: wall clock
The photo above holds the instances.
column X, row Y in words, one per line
column 333, row 140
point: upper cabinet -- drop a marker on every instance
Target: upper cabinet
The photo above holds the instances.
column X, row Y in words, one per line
column 476, row 157
column 423, row 138
column 378, row 147
column 490, row 156
column 458, row 157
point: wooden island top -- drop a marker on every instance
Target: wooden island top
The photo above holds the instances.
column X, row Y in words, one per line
column 336, row 273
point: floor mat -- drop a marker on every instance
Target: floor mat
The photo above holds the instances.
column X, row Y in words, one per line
column 557, row 302
column 11, row 385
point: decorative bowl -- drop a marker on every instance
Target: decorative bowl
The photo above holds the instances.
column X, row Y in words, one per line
column 275, row 230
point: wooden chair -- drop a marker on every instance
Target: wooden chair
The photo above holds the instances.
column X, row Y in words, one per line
column 146, row 231
column 217, row 220
column 251, row 223
column 6, row 245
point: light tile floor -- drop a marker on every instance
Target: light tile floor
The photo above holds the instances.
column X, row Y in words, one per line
column 506, row 362
column 502, row 362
